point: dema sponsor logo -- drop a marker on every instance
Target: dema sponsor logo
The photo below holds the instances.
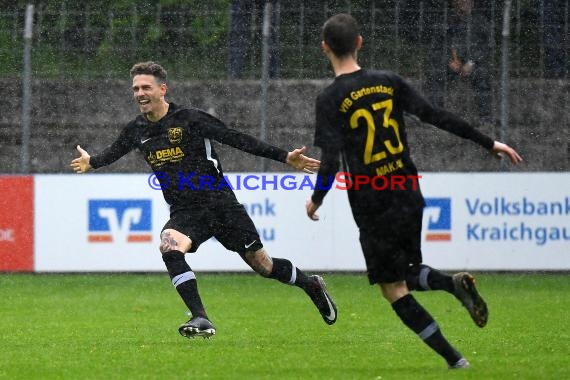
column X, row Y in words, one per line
column 117, row 220
column 438, row 214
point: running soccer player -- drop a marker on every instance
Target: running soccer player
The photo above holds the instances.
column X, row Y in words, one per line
column 359, row 117
column 176, row 141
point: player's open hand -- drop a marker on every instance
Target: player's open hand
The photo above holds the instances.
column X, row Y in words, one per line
column 299, row 161
column 499, row 149
column 81, row 164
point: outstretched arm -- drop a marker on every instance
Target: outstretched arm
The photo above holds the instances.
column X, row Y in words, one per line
column 442, row 119
column 211, row 127
column 123, row 145
column 81, row 164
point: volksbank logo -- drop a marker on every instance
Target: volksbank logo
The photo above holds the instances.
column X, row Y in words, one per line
column 438, row 214
column 518, row 219
column 112, row 220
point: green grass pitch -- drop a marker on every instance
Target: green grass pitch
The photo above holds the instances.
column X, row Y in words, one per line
column 124, row 326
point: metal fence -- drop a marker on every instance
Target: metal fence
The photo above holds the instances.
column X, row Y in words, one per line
column 222, row 39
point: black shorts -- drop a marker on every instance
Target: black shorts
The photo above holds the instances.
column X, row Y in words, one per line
column 392, row 248
column 223, row 218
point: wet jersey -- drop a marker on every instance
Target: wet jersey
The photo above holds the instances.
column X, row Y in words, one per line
column 179, row 150
column 360, row 118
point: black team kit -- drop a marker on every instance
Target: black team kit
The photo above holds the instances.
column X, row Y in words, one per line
column 360, row 121
column 179, row 150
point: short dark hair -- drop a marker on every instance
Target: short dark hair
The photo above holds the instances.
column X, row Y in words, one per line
column 149, row 68
column 340, row 33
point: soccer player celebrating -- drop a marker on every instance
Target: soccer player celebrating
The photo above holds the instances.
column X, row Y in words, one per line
column 360, row 117
column 176, row 141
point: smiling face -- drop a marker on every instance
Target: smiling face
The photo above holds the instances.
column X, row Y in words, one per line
column 149, row 95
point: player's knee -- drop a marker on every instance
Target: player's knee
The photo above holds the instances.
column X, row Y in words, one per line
column 164, row 247
column 394, row 291
column 168, row 242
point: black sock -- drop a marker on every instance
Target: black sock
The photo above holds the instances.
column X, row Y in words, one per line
column 429, row 278
column 184, row 280
column 421, row 322
column 285, row 272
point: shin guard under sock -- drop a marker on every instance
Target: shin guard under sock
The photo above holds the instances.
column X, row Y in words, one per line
column 421, row 322
column 285, row 272
column 429, row 278
column 184, row 280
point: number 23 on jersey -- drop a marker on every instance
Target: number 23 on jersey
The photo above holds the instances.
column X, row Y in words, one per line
column 381, row 109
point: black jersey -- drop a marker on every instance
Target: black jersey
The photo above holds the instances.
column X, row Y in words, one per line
column 360, row 117
column 179, row 149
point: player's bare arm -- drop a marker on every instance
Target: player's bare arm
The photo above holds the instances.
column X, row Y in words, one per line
column 499, row 149
column 81, row 164
column 299, row 161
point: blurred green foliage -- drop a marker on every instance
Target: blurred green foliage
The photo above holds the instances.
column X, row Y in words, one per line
column 103, row 38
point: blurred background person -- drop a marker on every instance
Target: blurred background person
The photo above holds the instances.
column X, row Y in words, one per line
column 467, row 55
column 243, row 37
column 553, row 39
